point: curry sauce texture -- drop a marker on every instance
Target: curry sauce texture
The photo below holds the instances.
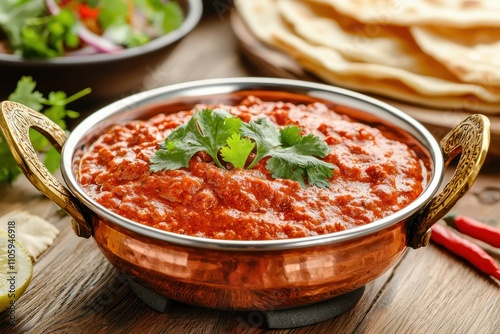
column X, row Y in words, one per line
column 374, row 177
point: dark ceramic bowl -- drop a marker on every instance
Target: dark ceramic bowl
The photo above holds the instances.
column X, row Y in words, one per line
column 110, row 76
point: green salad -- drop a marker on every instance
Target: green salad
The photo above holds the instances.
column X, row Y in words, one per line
column 41, row 29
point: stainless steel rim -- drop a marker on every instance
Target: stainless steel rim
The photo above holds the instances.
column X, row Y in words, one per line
column 221, row 86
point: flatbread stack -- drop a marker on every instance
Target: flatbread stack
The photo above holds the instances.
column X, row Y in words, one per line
column 442, row 54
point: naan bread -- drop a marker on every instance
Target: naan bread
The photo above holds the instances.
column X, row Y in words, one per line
column 450, row 13
column 369, row 78
column 260, row 17
column 34, row 233
column 473, row 55
column 376, row 44
column 267, row 20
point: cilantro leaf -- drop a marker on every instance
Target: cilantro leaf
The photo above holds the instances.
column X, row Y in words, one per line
column 305, row 149
column 207, row 131
column 292, row 156
column 291, row 163
column 282, row 168
column 56, row 110
column 309, row 145
column 171, row 157
column 25, row 93
column 265, row 134
column 216, row 127
column 290, row 135
column 237, row 150
column 319, row 173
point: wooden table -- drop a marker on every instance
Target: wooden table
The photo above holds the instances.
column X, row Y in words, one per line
column 75, row 290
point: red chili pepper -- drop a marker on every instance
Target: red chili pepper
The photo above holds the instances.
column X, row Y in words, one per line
column 465, row 249
column 474, row 229
column 87, row 12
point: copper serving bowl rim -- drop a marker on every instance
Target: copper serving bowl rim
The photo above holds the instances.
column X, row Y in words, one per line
column 231, row 85
column 193, row 16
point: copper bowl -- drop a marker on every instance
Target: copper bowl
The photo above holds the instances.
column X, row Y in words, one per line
column 251, row 275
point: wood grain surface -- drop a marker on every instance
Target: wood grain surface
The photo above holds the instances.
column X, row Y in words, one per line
column 75, row 290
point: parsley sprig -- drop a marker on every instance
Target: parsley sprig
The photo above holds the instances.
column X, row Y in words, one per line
column 219, row 134
column 54, row 107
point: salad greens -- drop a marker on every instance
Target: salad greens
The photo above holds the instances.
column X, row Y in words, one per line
column 217, row 132
column 41, row 29
column 54, row 107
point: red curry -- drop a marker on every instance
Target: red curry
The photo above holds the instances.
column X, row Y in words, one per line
column 374, row 177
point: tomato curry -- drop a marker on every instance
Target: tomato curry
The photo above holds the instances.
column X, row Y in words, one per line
column 374, row 177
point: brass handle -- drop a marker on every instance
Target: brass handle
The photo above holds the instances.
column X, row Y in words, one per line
column 471, row 138
column 15, row 121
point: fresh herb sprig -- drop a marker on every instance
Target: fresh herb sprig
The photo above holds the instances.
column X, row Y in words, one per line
column 54, row 107
column 218, row 133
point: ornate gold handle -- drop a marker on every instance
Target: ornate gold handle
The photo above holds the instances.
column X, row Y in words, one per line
column 471, row 138
column 15, row 121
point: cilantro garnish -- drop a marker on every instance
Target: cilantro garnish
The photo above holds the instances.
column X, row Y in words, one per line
column 207, row 131
column 54, row 107
column 218, row 133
